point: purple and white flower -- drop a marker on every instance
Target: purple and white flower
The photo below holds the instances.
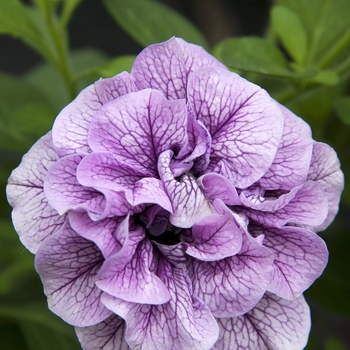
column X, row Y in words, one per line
column 176, row 207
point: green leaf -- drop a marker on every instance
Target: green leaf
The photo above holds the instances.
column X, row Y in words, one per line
column 48, row 81
column 40, row 337
column 16, row 21
column 252, row 54
column 150, row 22
column 342, row 108
column 334, row 344
column 115, row 66
column 325, row 22
column 332, row 289
column 290, row 30
column 68, row 8
column 326, row 77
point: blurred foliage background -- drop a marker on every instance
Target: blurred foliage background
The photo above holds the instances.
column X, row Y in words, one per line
column 298, row 50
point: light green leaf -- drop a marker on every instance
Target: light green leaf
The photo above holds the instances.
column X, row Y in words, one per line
column 326, row 77
column 325, row 22
column 149, row 22
column 252, row 54
column 115, row 66
column 342, row 107
column 68, row 8
column 290, row 30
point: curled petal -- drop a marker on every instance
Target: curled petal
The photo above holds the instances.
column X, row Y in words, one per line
column 34, row 219
column 300, row 257
column 128, row 274
column 111, row 88
column 216, row 186
column 215, row 237
column 325, row 170
column 239, row 116
column 189, row 203
column 68, row 265
column 106, row 335
column 308, row 207
column 274, row 323
column 291, row 164
column 138, row 127
column 183, row 323
column 107, row 242
column 232, row 286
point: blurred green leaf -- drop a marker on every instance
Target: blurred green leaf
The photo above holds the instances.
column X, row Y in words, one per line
column 334, row 344
column 115, row 66
column 290, row 30
column 150, row 22
column 325, row 21
column 15, row 260
column 68, row 8
column 11, row 337
column 326, row 77
column 252, row 54
column 40, row 337
column 47, row 80
column 342, row 107
column 332, row 290
column 16, row 21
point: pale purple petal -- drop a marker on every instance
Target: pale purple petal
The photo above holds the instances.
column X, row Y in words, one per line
column 104, row 171
column 71, row 126
column 308, row 207
column 215, row 237
column 245, row 123
column 167, row 66
column 106, row 335
column 138, row 127
column 300, row 258
column 325, row 170
column 232, row 286
column 64, row 192
column 274, row 323
column 34, row 219
column 291, row 164
column 68, row 265
column 189, row 203
column 256, row 198
column 183, row 323
column 130, row 276
column 216, row 186
column 111, row 88
column 91, row 230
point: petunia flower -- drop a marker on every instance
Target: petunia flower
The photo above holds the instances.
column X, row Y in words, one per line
column 177, row 207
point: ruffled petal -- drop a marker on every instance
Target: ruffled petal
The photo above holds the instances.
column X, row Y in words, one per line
column 138, row 127
column 106, row 335
column 274, row 323
column 189, row 203
column 34, row 219
column 300, row 257
column 244, row 122
column 309, row 207
column 183, row 323
column 325, row 170
column 232, row 286
column 167, row 66
column 68, row 265
column 129, row 275
column 71, row 126
column 215, row 237
column 291, row 163
column 111, row 88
